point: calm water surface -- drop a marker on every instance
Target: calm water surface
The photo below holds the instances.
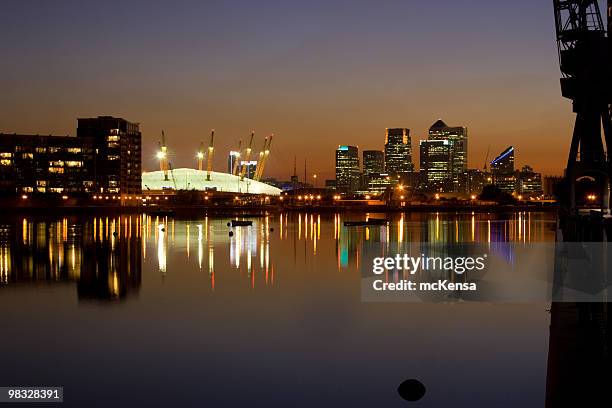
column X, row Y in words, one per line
column 153, row 311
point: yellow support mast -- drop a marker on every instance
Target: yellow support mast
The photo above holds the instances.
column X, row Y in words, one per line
column 200, row 156
column 209, row 158
column 237, row 159
column 263, row 158
column 247, row 157
column 162, row 155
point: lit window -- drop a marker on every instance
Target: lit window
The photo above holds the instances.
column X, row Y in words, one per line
column 74, row 164
column 58, row 170
column 41, row 150
column 113, row 157
column 27, row 155
column 74, row 150
column 6, row 155
column 113, row 138
column 6, row 162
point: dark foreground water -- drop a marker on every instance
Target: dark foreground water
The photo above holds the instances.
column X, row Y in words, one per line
column 147, row 311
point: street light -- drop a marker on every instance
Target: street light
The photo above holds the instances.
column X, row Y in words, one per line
column 314, row 176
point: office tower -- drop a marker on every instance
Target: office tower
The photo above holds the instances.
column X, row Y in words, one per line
column 347, row 168
column 436, row 165
column 502, row 170
column 231, row 160
column 530, row 182
column 250, row 165
column 398, row 152
column 458, row 138
column 115, row 161
column 373, row 162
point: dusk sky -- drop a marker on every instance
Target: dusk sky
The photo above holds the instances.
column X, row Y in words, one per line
column 316, row 73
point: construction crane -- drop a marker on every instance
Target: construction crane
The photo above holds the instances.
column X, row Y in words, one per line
column 209, row 157
column 263, row 158
column 237, row 159
column 586, row 65
column 486, row 162
column 200, row 156
column 162, row 155
column 247, row 157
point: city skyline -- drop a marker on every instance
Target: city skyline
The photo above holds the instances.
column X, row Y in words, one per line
column 315, row 76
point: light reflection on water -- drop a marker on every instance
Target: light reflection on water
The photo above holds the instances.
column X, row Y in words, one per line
column 185, row 309
column 105, row 254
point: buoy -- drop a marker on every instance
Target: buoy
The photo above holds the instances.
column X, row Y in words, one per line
column 231, row 233
column 163, row 230
column 229, row 224
column 271, row 229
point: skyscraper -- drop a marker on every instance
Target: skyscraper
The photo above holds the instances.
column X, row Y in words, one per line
column 502, row 170
column 436, row 165
column 373, row 162
column 530, row 182
column 116, row 161
column 458, row 138
column 347, row 168
column 231, row 160
column 398, row 152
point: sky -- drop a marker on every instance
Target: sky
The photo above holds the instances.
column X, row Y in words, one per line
column 316, row 73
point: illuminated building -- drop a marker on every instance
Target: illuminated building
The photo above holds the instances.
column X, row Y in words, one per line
column 34, row 164
column 373, row 162
column 251, row 166
column 378, row 183
column 347, row 168
column 192, row 179
column 231, row 160
column 435, row 165
column 398, row 152
column 116, row 159
column 458, row 139
column 502, row 170
column 530, row 182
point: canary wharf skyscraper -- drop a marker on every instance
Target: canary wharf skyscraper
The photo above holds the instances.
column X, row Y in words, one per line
column 458, row 139
column 347, row 168
column 398, row 152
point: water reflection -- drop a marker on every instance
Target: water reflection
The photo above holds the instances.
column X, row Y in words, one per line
column 103, row 256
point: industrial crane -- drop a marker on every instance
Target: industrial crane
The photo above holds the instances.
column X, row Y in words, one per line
column 162, row 155
column 263, row 158
column 209, row 158
column 586, row 65
column 237, row 159
column 247, row 157
column 200, row 156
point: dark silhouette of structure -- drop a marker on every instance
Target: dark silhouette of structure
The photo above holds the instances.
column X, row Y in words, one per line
column 584, row 56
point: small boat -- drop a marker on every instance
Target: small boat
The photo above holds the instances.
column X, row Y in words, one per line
column 241, row 223
column 371, row 221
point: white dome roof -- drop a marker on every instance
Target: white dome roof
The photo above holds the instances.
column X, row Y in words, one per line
column 191, row 179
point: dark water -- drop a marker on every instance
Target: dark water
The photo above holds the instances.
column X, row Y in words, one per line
column 146, row 311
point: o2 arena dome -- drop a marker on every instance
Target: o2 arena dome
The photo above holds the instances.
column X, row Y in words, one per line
column 192, row 179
